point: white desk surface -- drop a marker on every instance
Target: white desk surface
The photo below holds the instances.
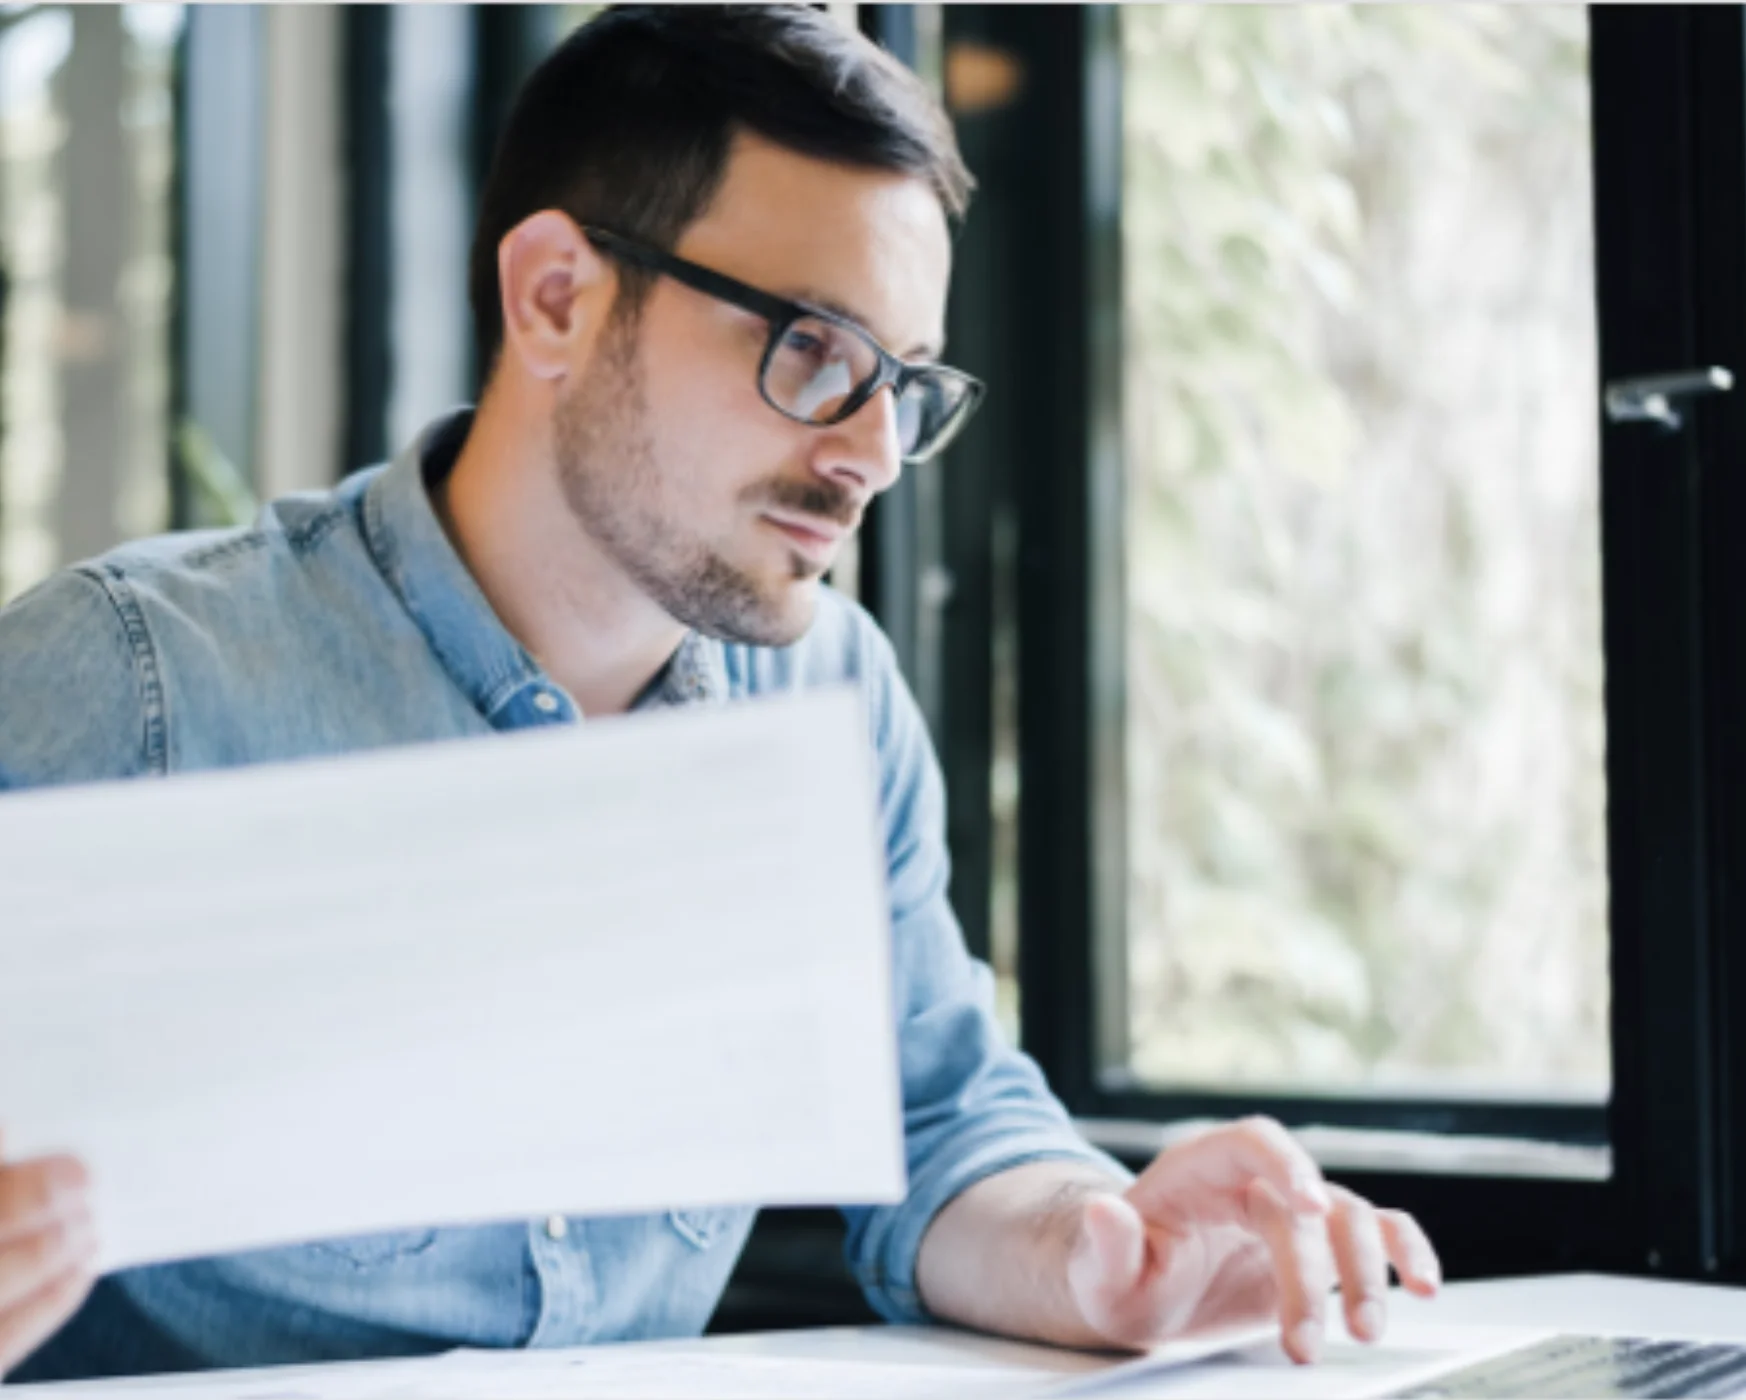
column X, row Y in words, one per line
column 1597, row 1303
column 1487, row 1315
column 1590, row 1303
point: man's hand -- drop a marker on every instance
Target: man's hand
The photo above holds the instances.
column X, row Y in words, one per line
column 1238, row 1226
column 47, row 1251
column 1234, row 1226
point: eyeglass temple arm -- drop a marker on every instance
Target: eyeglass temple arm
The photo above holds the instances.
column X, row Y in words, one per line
column 774, row 309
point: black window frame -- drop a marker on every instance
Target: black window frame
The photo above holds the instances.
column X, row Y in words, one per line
column 1669, row 124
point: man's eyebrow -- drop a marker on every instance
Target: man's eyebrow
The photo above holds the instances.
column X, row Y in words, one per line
column 925, row 351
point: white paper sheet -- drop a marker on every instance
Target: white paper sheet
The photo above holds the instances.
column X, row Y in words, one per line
column 623, row 1373
column 721, row 1369
column 1425, row 1340
column 1412, row 1354
column 711, row 1370
column 608, row 1373
column 640, row 964
column 1161, row 1360
column 647, row 1373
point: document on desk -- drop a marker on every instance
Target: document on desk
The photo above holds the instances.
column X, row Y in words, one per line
column 1414, row 1354
column 639, row 964
column 713, row 1369
column 719, row 1369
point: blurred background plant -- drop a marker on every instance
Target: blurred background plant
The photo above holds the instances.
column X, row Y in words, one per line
column 1367, row 796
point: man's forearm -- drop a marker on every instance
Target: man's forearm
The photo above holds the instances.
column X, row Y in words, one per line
column 996, row 1257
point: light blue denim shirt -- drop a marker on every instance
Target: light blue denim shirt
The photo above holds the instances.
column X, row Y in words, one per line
column 344, row 620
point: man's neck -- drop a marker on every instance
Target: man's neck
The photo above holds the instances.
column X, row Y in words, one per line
column 569, row 605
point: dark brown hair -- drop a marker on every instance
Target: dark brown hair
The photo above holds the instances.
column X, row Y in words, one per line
column 628, row 124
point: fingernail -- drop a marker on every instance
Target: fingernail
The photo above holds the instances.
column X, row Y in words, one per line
column 1367, row 1321
column 1313, row 1191
column 1306, row 1340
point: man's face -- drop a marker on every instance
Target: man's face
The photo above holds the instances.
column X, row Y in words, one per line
column 720, row 509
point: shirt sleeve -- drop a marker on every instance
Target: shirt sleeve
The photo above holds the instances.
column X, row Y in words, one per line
column 973, row 1105
column 75, row 700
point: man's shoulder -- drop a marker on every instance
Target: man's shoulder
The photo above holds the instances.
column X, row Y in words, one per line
column 301, row 569
column 289, row 533
column 71, row 705
column 105, row 662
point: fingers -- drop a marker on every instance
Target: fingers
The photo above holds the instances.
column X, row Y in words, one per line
column 38, row 1317
column 1365, row 1242
column 48, row 1251
column 29, row 1262
column 1209, row 1177
column 1303, row 1268
column 1256, row 1176
column 1361, row 1258
column 37, row 1193
column 1410, row 1251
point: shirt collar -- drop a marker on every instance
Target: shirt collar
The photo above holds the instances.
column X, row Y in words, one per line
column 696, row 674
column 415, row 556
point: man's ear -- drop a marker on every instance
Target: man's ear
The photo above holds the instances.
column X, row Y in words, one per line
column 556, row 289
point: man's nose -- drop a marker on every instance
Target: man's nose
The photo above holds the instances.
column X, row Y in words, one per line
column 862, row 450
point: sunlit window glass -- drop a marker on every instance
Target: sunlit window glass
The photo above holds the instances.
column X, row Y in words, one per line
column 86, row 158
column 1364, row 702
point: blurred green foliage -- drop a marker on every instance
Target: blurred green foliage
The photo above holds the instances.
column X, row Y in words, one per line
column 219, row 493
column 1366, row 788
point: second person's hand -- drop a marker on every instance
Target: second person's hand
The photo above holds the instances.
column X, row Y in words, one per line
column 48, row 1250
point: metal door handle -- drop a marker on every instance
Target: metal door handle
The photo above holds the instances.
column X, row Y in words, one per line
column 1651, row 397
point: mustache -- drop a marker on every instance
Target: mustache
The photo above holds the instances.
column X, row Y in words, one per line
column 827, row 500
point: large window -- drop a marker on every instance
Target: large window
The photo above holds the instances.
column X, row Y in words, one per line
column 1358, row 740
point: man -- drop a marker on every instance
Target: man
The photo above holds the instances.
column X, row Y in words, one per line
column 709, row 279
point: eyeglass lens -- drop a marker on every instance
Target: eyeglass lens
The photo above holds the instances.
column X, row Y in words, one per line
column 817, row 365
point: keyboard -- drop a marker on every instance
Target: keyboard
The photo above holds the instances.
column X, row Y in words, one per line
column 1595, row 1368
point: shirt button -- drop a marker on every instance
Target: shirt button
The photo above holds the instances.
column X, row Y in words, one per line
column 546, row 703
column 556, row 1227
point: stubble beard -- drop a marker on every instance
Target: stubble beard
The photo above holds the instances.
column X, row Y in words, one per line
column 610, row 480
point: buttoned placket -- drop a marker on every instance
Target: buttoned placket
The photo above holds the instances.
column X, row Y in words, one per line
column 544, row 704
column 568, row 1293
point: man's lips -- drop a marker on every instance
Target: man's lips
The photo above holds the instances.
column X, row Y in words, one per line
column 814, row 537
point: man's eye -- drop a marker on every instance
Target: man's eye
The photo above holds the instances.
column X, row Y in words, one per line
column 804, row 343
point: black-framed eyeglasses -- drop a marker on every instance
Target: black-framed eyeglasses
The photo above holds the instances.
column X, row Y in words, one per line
column 819, row 367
